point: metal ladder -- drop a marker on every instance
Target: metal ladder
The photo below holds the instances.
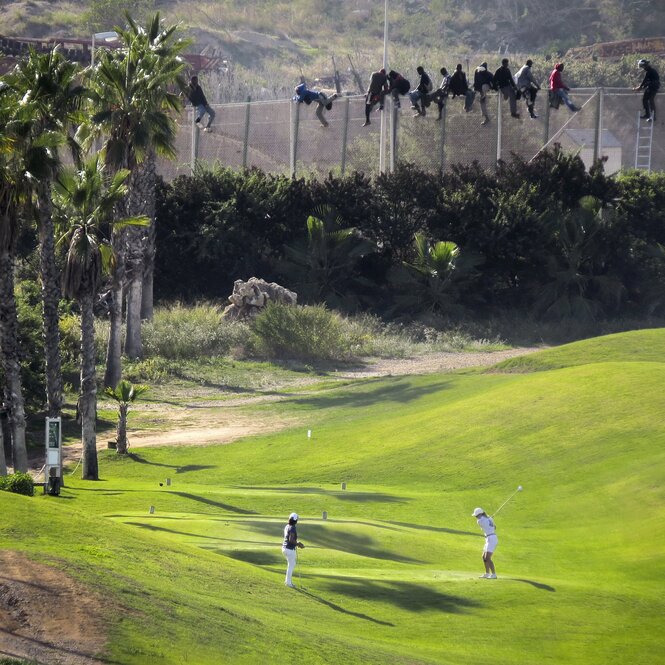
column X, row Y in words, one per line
column 643, row 143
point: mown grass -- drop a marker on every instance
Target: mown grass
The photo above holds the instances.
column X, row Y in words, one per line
column 391, row 575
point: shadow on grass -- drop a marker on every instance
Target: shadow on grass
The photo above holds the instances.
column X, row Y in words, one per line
column 339, row 608
column 135, row 457
column 318, row 535
column 400, row 392
column 216, row 504
column 343, row 495
column 254, row 557
column 538, row 585
column 405, row 595
column 435, row 529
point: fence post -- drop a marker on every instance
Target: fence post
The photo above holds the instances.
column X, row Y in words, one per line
column 195, row 143
column 394, row 121
column 345, row 132
column 546, row 123
column 499, row 126
column 442, row 153
column 598, row 138
column 295, row 122
column 245, row 145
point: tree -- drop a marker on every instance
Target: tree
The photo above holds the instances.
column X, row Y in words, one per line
column 433, row 282
column 85, row 203
column 49, row 83
column 125, row 393
column 24, row 160
column 133, row 94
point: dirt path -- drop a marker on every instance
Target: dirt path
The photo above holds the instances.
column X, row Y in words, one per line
column 46, row 616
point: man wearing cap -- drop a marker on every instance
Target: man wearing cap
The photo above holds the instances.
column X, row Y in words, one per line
column 486, row 523
column 650, row 84
column 289, row 547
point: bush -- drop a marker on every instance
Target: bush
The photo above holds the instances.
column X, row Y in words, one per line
column 302, row 333
column 19, row 483
column 179, row 332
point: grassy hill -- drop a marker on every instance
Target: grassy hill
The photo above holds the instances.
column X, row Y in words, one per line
column 391, row 575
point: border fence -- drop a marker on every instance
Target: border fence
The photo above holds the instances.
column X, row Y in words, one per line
column 284, row 137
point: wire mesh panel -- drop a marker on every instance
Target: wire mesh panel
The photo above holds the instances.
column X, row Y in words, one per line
column 261, row 134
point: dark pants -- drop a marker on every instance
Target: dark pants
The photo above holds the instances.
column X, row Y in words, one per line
column 530, row 98
column 371, row 101
column 649, row 102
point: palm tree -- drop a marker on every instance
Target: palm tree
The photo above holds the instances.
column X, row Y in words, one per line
column 24, row 160
column 85, row 203
column 49, row 83
column 580, row 284
column 133, row 94
column 125, row 393
column 434, row 280
column 322, row 267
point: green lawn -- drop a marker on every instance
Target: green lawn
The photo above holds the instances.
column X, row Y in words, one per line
column 391, row 576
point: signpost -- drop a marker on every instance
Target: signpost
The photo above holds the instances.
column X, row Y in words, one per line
column 53, row 466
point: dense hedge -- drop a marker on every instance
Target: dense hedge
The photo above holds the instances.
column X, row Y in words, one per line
column 523, row 223
column 19, row 483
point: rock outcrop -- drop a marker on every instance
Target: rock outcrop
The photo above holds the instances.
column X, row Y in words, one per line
column 250, row 297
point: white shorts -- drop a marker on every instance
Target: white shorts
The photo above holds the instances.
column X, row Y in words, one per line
column 490, row 543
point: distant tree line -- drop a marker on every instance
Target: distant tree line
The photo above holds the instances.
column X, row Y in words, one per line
column 545, row 237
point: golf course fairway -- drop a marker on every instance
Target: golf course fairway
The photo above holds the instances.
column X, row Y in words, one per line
column 392, row 574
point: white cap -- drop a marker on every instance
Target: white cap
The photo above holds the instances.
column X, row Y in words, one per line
column 477, row 511
column 294, row 517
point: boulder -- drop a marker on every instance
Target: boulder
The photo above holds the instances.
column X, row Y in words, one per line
column 250, row 297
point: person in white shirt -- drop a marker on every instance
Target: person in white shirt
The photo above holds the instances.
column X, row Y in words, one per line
column 486, row 523
column 289, row 548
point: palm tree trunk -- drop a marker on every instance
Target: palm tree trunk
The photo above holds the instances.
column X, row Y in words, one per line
column 121, row 439
column 150, row 243
column 113, row 372
column 10, row 360
column 141, row 201
column 50, row 302
column 88, row 401
column 3, row 461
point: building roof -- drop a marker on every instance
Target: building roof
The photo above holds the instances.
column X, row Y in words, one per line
column 587, row 137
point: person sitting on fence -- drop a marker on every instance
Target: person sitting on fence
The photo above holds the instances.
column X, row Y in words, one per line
column 459, row 87
column 558, row 90
column 322, row 100
column 650, row 84
column 483, row 82
column 528, row 86
column 398, row 86
column 198, row 100
column 419, row 99
column 376, row 93
column 505, row 84
column 440, row 95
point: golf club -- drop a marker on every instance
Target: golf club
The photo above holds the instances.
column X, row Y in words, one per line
column 519, row 489
column 300, row 586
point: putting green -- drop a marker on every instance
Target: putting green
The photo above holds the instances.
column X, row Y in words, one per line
column 392, row 575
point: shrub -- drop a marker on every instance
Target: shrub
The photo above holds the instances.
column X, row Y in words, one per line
column 19, row 483
column 302, row 333
column 179, row 332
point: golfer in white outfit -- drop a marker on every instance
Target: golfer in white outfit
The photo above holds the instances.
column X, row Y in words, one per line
column 486, row 523
column 289, row 548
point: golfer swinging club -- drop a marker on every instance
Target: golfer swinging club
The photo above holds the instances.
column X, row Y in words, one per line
column 289, row 547
column 486, row 523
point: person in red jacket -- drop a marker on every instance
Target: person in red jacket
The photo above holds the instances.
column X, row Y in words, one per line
column 559, row 89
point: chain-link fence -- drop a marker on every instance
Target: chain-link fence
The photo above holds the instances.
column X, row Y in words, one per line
column 285, row 137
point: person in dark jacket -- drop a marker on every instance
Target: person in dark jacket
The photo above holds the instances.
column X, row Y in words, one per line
column 418, row 97
column 398, row 85
column 198, row 100
column 505, row 84
column 483, row 81
column 459, row 87
column 650, row 84
column 376, row 93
